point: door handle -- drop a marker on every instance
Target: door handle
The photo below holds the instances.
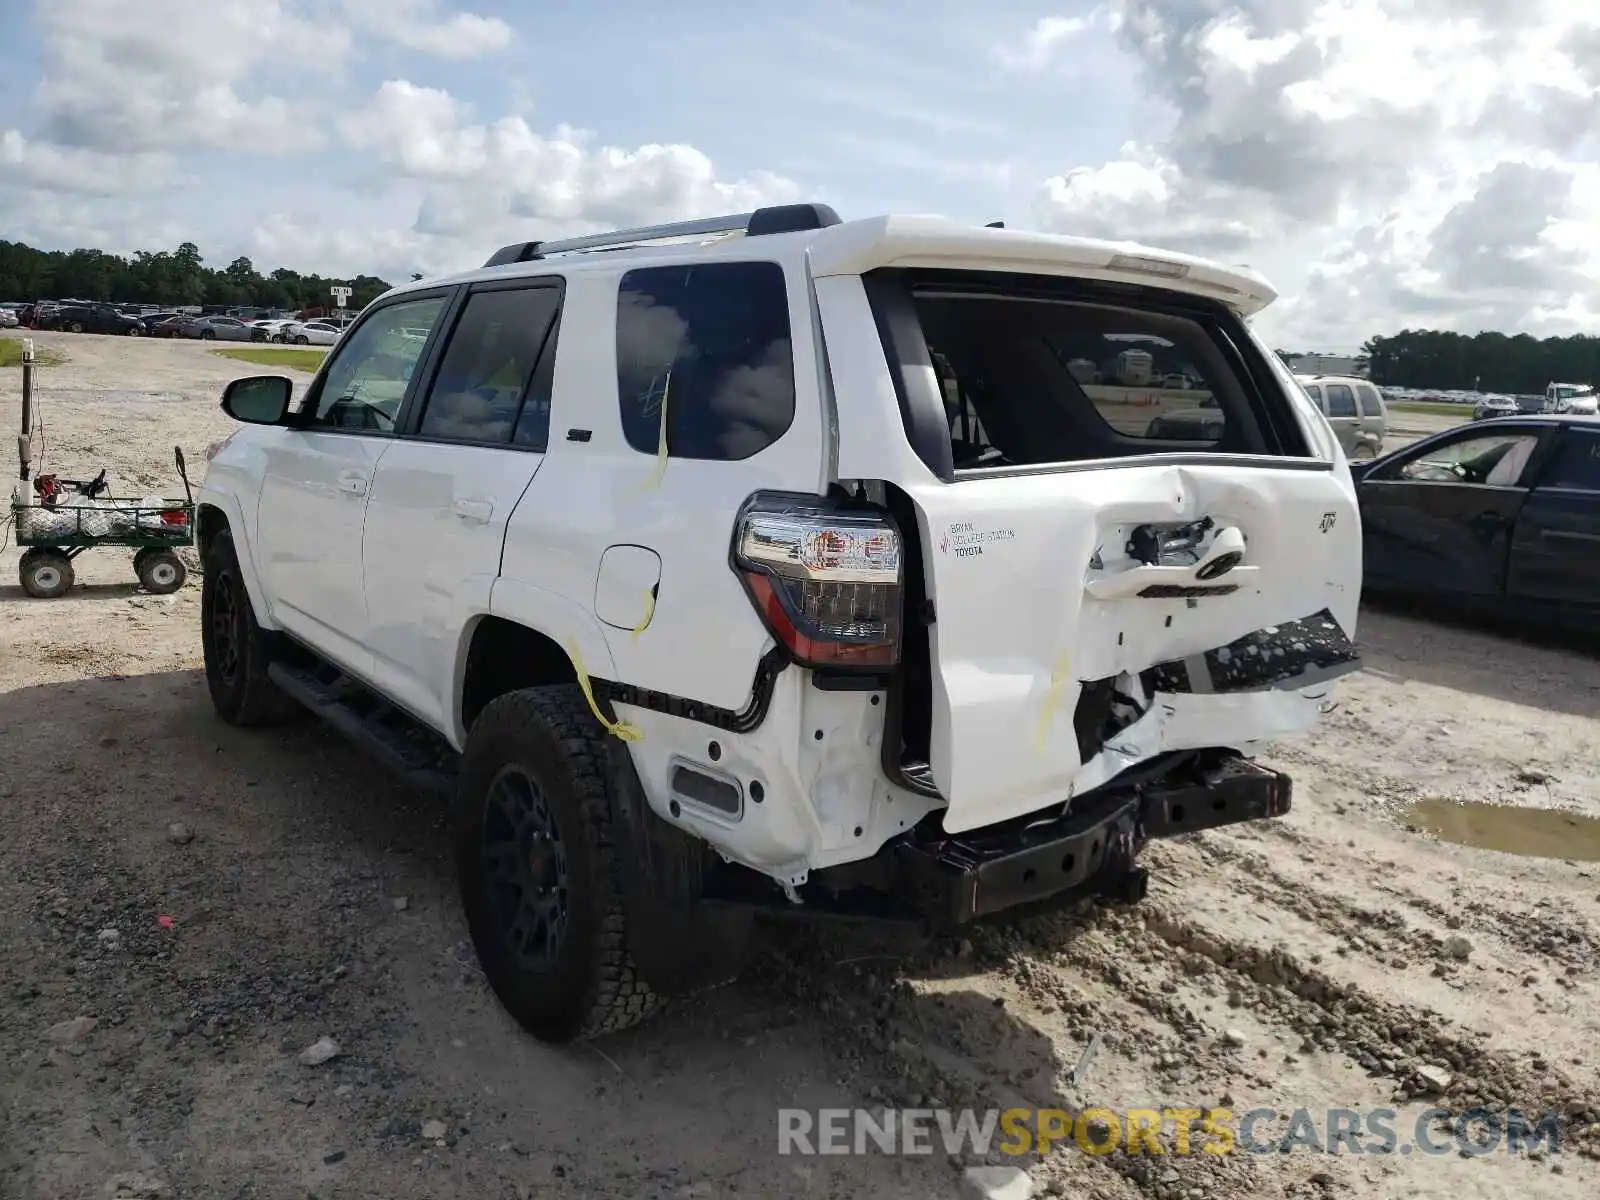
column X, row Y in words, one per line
column 478, row 511
column 353, row 482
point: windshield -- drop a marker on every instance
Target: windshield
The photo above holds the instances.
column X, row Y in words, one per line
column 1568, row 391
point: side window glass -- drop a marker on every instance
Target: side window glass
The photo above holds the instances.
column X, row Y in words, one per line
column 1577, row 465
column 488, row 376
column 711, row 344
column 1371, row 406
column 1498, row 460
column 369, row 374
column 1341, row 401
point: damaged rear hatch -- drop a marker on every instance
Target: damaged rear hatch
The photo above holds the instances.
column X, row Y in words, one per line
column 1137, row 537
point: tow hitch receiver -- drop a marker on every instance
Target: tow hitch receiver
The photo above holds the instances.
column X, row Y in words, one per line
column 1091, row 849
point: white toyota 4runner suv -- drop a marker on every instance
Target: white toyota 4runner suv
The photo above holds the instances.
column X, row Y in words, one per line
column 772, row 561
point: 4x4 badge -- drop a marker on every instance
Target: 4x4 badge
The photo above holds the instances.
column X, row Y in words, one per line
column 1328, row 518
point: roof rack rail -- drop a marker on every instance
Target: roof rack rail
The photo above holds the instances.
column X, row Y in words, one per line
column 777, row 218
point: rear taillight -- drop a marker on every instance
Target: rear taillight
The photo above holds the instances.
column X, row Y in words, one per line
column 825, row 577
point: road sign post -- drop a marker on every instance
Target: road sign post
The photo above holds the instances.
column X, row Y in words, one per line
column 340, row 295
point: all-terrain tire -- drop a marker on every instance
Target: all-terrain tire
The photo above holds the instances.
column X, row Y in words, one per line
column 237, row 650
column 589, row 986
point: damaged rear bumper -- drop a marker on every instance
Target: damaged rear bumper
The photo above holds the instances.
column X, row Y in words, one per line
column 1089, row 850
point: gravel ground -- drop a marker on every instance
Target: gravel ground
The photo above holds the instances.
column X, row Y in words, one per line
column 186, row 908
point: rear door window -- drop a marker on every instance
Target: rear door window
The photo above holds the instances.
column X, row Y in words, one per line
column 1576, row 464
column 493, row 384
column 1031, row 371
column 1341, row 401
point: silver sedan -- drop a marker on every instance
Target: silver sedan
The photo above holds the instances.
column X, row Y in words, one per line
column 227, row 329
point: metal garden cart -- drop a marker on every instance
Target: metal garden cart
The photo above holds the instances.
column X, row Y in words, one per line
column 73, row 517
column 65, row 517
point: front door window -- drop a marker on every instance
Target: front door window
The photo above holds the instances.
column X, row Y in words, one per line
column 368, row 377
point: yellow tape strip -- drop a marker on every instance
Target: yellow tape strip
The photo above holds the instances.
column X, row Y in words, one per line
column 649, row 611
column 661, row 441
column 1052, row 701
column 623, row 730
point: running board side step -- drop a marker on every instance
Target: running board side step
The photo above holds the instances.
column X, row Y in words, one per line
column 367, row 725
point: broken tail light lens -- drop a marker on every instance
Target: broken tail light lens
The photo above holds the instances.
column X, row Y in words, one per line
column 826, row 579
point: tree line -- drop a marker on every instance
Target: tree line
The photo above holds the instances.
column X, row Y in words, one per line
column 1518, row 364
column 165, row 277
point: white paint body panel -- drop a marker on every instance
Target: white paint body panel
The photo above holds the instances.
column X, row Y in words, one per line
column 590, row 495
column 310, row 522
column 435, row 526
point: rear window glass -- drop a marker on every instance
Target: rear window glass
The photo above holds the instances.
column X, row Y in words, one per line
column 1371, row 406
column 1341, row 401
column 1029, row 379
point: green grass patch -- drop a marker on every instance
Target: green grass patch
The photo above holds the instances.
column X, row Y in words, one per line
column 1429, row 409
column 294, row 358
column 11, row 354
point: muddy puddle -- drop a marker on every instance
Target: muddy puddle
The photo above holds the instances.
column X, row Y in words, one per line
column 1533, row 832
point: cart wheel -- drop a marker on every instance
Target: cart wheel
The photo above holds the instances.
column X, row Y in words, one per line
column 45, row 574
column 160, row 571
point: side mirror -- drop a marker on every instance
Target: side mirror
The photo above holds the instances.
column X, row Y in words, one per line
column 258, row 399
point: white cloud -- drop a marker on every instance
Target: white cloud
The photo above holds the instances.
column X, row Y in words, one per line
column 504, row 176
column 175, row 75
column 44, row 167
column 1384, row 162
column 419, row 25
column 1042, row 45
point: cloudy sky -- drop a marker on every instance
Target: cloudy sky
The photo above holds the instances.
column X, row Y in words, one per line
column 1385, row 162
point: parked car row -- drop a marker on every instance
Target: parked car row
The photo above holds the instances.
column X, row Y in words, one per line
column 308, row 328
column 88, row 318
column 1558, row 399
column 299, row 333
column 104, row 318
